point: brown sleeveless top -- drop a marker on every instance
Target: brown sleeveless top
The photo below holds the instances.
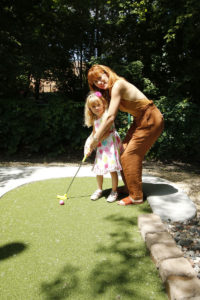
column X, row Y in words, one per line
column 133, row 107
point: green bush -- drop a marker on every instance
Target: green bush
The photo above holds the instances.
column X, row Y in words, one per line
column 54, row 126
column 180, row 139
column 51, row 127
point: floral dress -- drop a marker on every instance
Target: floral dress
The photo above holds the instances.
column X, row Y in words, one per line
column 108, row 152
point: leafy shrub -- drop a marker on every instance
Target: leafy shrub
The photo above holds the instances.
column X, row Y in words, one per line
column 180, row 139
column 52, row 127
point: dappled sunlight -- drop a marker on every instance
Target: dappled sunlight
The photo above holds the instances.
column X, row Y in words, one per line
column 82, row 250
column 124, row 269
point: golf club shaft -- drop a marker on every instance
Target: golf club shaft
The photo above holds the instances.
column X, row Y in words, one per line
column 76, row 173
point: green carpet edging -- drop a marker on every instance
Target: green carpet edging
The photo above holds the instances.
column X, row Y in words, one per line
column 82, row 250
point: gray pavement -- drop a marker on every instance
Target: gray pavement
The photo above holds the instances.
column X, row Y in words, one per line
column 165, row 198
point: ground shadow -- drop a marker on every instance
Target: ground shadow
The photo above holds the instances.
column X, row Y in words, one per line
column 107, row 275
column 78, row 196
column 63, row 286
column 11, row 249
column 8, row 173
column 121, row 195
column 149, row 189
column 125, row 255
column 105, row 194
column 158, row 189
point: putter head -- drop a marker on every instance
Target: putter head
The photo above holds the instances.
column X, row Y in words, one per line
column 62, row 197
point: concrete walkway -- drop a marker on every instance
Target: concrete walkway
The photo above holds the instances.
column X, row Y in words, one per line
column 165, row 198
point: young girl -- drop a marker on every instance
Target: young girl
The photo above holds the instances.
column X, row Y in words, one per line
column 109, row 147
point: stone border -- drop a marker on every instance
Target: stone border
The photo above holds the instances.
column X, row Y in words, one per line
column 176, row 272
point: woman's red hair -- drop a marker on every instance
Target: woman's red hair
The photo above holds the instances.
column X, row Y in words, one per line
column 97, row 70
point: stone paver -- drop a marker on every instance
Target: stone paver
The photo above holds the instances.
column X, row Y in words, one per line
column 148, row 219
column 159, row 238
column 175, row 271
column 160, row 252
column 183, row 288
column 176, row 267
column 167, row 200
column 152, row 228
column 150, row 223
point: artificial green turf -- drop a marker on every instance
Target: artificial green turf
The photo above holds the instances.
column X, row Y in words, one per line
column 83, row 250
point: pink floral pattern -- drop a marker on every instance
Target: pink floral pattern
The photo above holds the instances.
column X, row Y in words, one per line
column 108, row 152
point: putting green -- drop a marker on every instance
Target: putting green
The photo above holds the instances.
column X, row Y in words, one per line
column 83, row 250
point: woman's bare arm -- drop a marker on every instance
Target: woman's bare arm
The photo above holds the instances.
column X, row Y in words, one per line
column 112, row 112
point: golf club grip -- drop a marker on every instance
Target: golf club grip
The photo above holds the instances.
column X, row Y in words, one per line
column 84, row 158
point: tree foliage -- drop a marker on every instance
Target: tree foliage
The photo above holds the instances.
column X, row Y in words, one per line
column 154, row 44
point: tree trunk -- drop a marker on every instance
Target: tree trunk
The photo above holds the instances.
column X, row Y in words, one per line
column 37, row 88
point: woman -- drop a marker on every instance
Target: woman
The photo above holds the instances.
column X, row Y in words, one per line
column 146, row 128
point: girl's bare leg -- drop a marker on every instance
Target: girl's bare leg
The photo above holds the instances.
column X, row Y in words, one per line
column 114, row 177
column 99, row 181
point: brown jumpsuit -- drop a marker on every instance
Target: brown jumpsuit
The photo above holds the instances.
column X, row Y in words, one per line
column 146, row 128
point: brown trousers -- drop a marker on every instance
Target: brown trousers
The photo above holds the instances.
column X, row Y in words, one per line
column 142, row 134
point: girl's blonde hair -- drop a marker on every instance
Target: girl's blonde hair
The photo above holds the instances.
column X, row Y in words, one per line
column 92, row 98
column 97, row 70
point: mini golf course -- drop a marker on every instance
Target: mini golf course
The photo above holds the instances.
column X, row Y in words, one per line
column 83, row 250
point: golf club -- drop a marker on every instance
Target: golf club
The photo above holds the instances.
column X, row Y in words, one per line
column 64, row 197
